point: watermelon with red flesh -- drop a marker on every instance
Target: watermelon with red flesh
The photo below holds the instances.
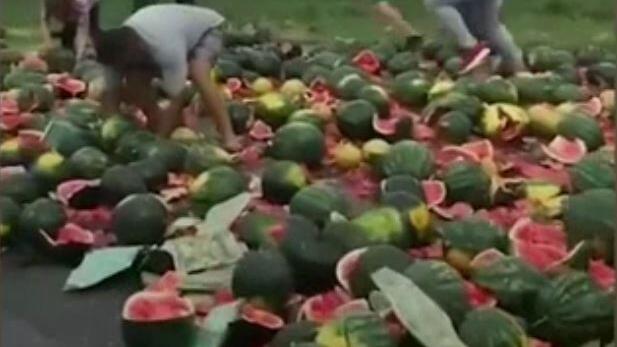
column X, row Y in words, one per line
column 158, row 319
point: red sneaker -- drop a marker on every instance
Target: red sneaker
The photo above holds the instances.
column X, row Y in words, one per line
column 475, row 57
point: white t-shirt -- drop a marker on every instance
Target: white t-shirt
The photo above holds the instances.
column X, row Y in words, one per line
column 171, row 31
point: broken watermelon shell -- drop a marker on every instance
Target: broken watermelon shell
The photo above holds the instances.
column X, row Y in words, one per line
column 565, row 151
column 321, row 308
column 543, row 246
column 260, row 317
column 434, row 192
column 367, row 61
column 158, row 319
column 69, row 190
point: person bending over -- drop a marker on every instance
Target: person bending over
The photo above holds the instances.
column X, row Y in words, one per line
column 170, row 42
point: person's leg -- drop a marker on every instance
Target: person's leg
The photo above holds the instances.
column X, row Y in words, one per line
column 138, row 91
column 499, row 37
column 201, row 62
column 452, row 21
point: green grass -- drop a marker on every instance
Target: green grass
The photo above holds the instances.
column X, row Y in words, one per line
column 563, row 23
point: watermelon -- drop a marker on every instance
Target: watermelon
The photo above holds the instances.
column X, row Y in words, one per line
column 204, row 156
column 312, row 258
column 259, row 230
column 44, row 215
column 113, row 129
column 119, row 181
column 589, row 216
column 572, row 310
column 409, row 158
column 157, row 319
column 455, row 127
column 498, row 90
column 215, row 186
column 9, row 218
column 88, row 163
column 349, row 86
column 274, row 109
column 309, row 116
column 281, row 180
column 492, row 327
column 317, row 202
column 592, row 173
column 402, row 62
column 133, row 145
column 299, row 142
column 347, row 156
column 524, row 282
column 383, row 225
column 360, row 329
column 139, row 219
column 355, row 120
column 18, row 78
column 472, row 236
column 378, row 97
column 51, row 168
column 21, row 187
column 263, row 275
column 66, row 138
column 467, row 182
column 580, row 126
column 410, row 90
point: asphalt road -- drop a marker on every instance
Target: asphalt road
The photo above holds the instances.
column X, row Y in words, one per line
column 35, row 312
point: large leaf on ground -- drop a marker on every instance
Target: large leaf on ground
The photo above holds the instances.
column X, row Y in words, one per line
column 572, row 310
column 220, row 217
column 422, row 317
column 204, row 252
column 100, row 265
column 514, row 282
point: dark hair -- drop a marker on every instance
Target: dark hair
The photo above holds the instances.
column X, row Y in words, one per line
column 122, row 48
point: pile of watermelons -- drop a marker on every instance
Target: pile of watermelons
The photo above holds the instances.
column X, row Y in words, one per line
column 390, row 201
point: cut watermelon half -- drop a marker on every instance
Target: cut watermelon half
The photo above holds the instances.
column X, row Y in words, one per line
column 10, row 122
column 538, row 172
column 542, row 257
column 98, row 218
column 423, row 132
column 385, row 126
column 565, row 151
column 321, row 308
column 68, row 190
column 367, row 61
column 602, row 274
column 32, row 141
column 234, row 84
column 68, row 86
column 478, row 297
column 527, row 230
column 156, row 306
column 72, row 233
column 483, row 149
column 346, row 267
column 486, row 258
column 434, row 192
column 260, row 131
column 263, row 318
column 8, row 106
column 452, row 154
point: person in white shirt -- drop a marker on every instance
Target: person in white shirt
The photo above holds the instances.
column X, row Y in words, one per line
column 170, row 42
